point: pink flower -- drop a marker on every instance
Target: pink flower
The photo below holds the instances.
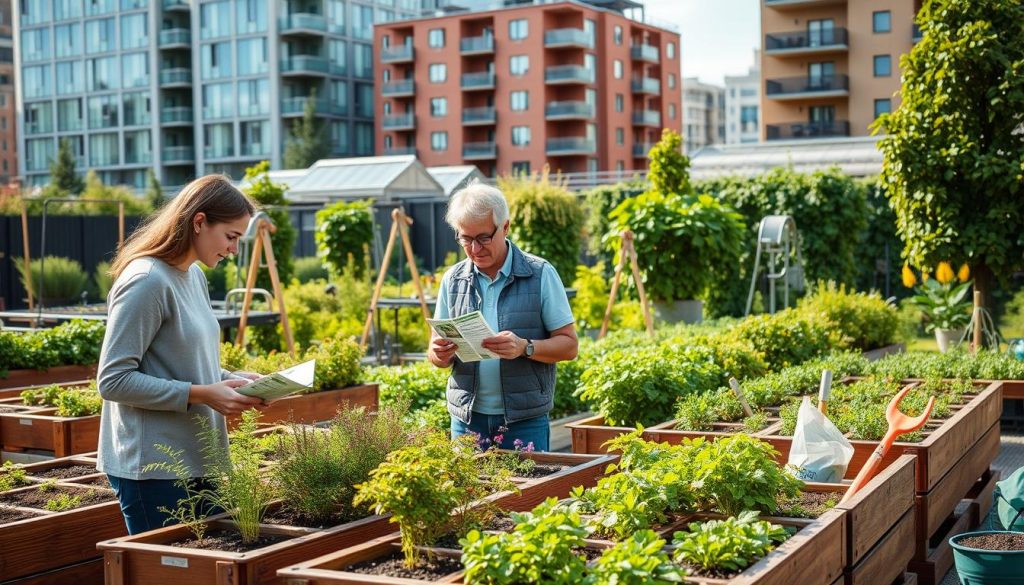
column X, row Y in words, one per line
column 498, row 439
column 529, row 447
column 518, row 443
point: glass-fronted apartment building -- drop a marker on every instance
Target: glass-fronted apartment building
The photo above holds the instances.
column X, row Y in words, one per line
column 189, row 87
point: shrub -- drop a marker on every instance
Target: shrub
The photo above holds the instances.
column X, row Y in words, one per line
column 739, row 473
column 786, row 338
column 591, row 301
column 680, row 241
column 310, row 268
column 959, row 363
column 338, row 363
column 419, row 384
column 546, row 220
column 64, row 279
column 344, row 231
column 864, row 320
column 598, row 203
column 669, row 167
column 102, row 278
column 76, row 342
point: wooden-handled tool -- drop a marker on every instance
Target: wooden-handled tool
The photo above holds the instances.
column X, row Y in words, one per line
column 824, row 391
column 735, row 385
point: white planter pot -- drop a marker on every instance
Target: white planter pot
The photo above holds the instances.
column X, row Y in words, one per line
column 947, row 338
column 679, row 311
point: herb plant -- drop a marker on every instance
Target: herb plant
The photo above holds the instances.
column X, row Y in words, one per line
column 62, row 503
column 12, row 476
column 637, row 560
column 234, row 472
column 192, row 510
column 722, row 547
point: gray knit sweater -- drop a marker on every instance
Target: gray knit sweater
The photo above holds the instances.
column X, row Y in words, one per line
column 162, row 337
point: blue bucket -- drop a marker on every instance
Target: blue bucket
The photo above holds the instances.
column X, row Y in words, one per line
column 987, row 567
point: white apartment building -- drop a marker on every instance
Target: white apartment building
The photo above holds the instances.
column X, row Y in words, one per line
column 743, row 105
column 703, row 114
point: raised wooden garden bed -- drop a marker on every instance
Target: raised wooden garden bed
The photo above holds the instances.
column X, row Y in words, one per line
column 41, row 429
column 315, row 407
column 57, row 375
column 44, row 541
column 151, row 558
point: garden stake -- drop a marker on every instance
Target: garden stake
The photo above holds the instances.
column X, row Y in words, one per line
column 824, row 391
column 735, row 385
column 899, row 424
column 627, row 251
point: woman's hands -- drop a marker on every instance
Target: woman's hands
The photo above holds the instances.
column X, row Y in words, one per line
column 222, row 397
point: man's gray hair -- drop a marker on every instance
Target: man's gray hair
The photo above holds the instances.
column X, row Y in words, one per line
column 476, row 202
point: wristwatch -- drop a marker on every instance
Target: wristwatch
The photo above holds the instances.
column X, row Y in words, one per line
column 528, row 352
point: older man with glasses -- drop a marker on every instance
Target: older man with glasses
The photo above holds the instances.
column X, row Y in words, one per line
column 505, row 401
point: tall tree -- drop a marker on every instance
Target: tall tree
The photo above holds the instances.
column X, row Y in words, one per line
column 954, row 154
column 154, row 191
column 308, row 141
column 62, row 170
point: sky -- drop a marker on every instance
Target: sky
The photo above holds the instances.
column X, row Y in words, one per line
column 718, row 37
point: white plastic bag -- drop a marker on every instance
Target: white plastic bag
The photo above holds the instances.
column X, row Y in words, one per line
column 819, row 452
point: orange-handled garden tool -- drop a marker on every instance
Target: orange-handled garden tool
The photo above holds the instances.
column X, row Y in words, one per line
column 899, row 424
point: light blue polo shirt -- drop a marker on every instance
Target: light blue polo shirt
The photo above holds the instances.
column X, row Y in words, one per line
column 555, row 313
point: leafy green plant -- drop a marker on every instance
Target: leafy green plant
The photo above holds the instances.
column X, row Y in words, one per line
column 864, row 320
column 546, row 219
column 591, row 301
column 76, row 342
column 669, row 167
column 419, row 384
column 637, row 560
column 344, row 231
column 722, row 547
column 787, row 338
column 740, row 473
column 755, row 422
column 337, row 363
column 79, row 402
column 12, row 476
column 62, row 503
column 102, row 278
column 698, row 412
column 310, row 268
column 64, row 279
column 541, row 549
column 944, row 305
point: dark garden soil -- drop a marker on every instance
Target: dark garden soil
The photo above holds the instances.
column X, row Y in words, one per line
column 496, row 524
column 542, row 470
column 284, row 516
column 228, row 541
column 999, row 541
column 392, row 566
column 37, row 498
column 65, row 472
column 808, row 505
column 699, row 572
column 12, row 515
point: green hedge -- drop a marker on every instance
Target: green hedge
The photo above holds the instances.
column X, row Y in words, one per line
column 863, row 320
column 74, row 343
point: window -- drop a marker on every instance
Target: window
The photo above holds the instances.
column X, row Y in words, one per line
column 255, row 137
column 521, row 167
column 66, row 9
column 251, row 16
column 518, row 29
column 135, row 107
column 435, row 38
column 883, row 106
column 69, row 115
column 364, row 104
column 134, row 32
column 617, row 34
column 94, row 7
column 438, row 107
column 672, row 81
column 137, row 147
column 620, row 136
column 748, row 118
column 100, row 33
column 362, row 22
column 883, row 65
column 101, row 73
column 38, row 118
column 438, row 141
column 103, row 149
column 214, row 19
column 821, row 32
column 518, row 65
column 617, row 69
column 218, row 100
column 620, row 102
column 337, row 55
column 438, row 72
column 252, row 56
column 68, row 40
column 216, row 60
column 520, row 135
column 520, row 101
column 71, row 76
column 339, row 96
column 881, row 21
column 35, row 44
column 671, row 111
column 135, row 70
column 362, row 60
column 218, row 140
column 670, row 51
column 363, row 137
column 336, row 22
column 254, row 97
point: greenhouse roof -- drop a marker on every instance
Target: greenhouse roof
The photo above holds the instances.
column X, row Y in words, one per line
column 454, row 177
column 856, row 157
column 379, row 177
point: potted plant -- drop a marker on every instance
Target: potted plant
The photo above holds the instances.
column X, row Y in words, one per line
column 943, row 301
column 995, row 556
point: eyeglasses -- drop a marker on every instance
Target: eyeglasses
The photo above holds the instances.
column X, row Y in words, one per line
column 467, row 241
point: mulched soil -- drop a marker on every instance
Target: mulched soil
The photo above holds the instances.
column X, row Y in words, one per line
column 1001, row 541
column 540, row 470
column 12, row 515
column 37, row 498
column 391, row 565
column 228, row 541
column 814, row 504
column 65, row 472
column 284, row 516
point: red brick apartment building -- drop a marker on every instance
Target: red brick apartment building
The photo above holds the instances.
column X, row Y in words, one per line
column 576, row 85
column 8, row 117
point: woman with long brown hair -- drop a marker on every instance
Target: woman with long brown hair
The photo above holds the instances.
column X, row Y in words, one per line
column 159, row 371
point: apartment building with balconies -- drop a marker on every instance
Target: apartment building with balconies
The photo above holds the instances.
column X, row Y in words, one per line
column 575, row 85
column 189, row 87
column 743, row 105
column 830, row 67
column 8, row 113
column 703, row 114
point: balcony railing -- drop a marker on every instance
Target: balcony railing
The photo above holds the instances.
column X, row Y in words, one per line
column 484, row 115
column 797, row 86
column 176, row 37
column 177, row 5
column 568, row 74
column 799, row 4
column 568, row 110
column 400, row 87
column 647, row 118
column 176, row 76
column 255, row 149
column 641, row 149
column 227, row 151
column 178, row 154
column 399, row 54
column 572, row 145
column 806, row 41
column 646, row 85
column 477, row 45
column 800, row 130
column 297, row 105
column 483, row 80
column 479, row 150
column 303, row 64
column 176, row 115
column 568, row 37
column 399, row 122
column 400, row 151
column 304, row 23
column 647, row 53
column 38, row 127
column 137, row 158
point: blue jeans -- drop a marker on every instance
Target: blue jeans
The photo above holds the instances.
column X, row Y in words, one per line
column 535, row 430
column 141, row 500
